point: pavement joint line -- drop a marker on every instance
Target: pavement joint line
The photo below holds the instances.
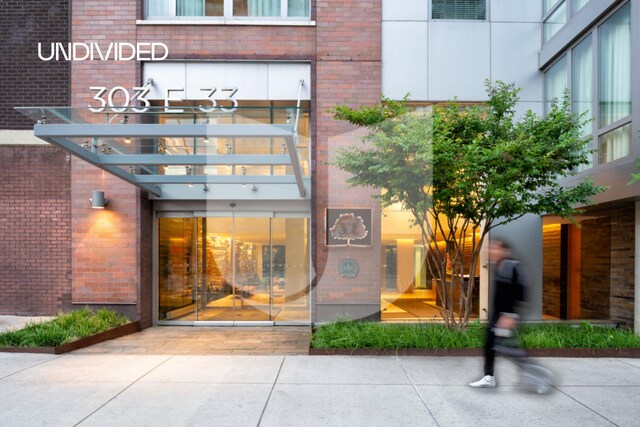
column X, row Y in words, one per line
column 601, row 385
column 29, row 367
column 627, row 363
column 271, row 391
column 349, row 384
column 415, row 388
column 123, row 390
column 591, row 409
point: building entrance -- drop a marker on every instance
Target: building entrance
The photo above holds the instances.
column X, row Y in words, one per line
column 235, row 268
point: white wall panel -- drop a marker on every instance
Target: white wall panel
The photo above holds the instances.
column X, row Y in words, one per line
column 284, row 81
column 165, row 76
column 251, row 79
column 516, row 10
column 405, row 60
column 404, row 10
column 523, row 107
column 254, row 80
column 514, row 57
column 459, row 60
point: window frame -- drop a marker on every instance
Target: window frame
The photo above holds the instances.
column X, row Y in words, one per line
column 227, row 15
column 486, row 14
column 597, row 131
column 569, row 13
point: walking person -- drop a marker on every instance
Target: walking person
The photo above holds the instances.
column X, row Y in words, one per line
column 508, row 297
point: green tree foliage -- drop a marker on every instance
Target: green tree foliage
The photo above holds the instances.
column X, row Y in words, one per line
column 462, row 171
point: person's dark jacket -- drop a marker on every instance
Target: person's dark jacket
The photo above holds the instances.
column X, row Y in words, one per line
column 509, row 293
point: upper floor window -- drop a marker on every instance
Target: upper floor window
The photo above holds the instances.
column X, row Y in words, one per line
column 458, row 9
column 556, row 20
column 576, row 5
column 598, row 70
column 556, row 13
column 228, row 8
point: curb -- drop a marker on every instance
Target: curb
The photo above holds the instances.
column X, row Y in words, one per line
column 116, row 332
column 469, row 352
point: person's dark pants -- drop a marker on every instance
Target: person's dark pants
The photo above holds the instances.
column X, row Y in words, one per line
column 489, row 352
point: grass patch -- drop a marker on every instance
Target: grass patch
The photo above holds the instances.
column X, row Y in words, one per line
column 584, row 335
column 355, row 334
column 64, row 328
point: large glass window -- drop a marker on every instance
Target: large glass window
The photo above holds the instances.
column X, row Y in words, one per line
column 576, row 5
column 615, row 144
column 614, row 63
column 244, row 267
column 582, row 79
column 548, row 5
column 256, row 7
column 582, row 84
column 555, row 82
column 458, row 9
column 555, row 21
column 228, row 8
column 610, row 103
column 408, row 286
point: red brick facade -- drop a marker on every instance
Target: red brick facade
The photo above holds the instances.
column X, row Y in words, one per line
column 344, row 50
column 348, row 71
column 26, row 80
column 106, row 256
column 35, row 225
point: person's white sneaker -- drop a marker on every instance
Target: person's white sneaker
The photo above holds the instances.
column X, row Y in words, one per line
column 488, row 381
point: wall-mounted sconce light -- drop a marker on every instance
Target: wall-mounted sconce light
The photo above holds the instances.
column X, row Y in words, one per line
column 127, row 140
column 254, row 188
column 98, row 201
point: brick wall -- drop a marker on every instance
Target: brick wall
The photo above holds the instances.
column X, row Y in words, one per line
column 551, row 258
column 348, row 70
column 595, row 271
column 35, row 225
column 26, row 80
column 344, row 50
column 106, row 244
column 622, row 264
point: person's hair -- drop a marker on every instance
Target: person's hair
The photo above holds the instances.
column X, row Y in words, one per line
column 502, row 243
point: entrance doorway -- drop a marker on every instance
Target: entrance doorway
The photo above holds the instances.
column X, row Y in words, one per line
column 237, row 268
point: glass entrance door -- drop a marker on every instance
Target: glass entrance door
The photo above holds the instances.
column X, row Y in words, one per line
column 233, row 269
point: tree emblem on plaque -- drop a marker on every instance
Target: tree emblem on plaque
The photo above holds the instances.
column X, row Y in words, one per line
column 349, row 227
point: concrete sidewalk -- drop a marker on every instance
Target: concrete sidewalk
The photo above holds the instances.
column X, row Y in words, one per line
column 186, row 390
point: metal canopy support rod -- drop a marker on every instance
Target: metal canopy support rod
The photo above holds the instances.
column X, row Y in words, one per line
column 295, row 127
column 295, row 163
column 92, row 158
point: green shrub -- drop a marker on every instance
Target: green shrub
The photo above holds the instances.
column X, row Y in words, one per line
column 64, row 328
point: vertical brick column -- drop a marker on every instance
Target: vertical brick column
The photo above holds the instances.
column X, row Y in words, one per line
column 348, row 70
column 106, row 254
column 35, row 230
column 26, row 80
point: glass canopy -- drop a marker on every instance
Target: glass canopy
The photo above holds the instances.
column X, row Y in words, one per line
column 166, row 150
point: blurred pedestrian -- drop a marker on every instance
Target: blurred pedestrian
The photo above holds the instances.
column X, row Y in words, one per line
column 508, row 298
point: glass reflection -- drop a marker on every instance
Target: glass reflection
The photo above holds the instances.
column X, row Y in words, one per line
column 226, row 269
column 408, row 288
